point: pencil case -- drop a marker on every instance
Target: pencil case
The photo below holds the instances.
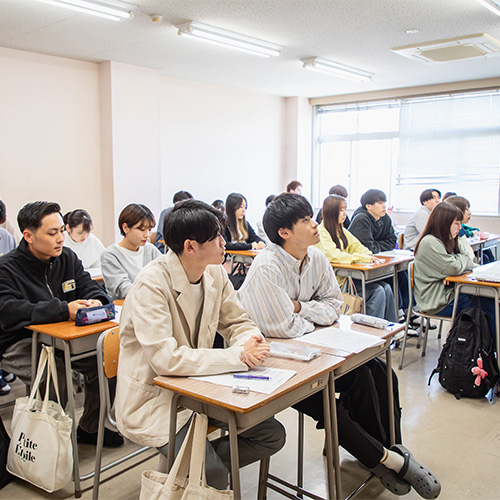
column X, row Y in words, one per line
column 91, row 315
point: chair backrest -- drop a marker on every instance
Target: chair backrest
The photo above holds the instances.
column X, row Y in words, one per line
column 111, row 351
column 401, row 240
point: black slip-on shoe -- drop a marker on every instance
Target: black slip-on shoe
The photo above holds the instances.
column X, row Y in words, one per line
column 423, row 480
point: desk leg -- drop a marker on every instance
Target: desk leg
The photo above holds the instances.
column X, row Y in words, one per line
column 390, row 394
column 335, row 439
column 363, row 288
column 235, row 460
column 329, row 441
column 396, row 289
column 455, row 303
column 71, row 406
column 34, row 357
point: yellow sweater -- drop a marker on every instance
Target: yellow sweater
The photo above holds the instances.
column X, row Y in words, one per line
column 354, row 253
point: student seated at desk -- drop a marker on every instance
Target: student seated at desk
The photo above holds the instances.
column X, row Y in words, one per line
column 41, row 281
column 6, row 224
column 468, row 231
column 159, row 241
column 260, row 226
column 373, row 227
column 239, row 234
column 438, row 254
column 167, row 327
column 464, row 205
column 340, row 246
column 121, row 262
column 87, row 246
column 291, row 288
column 340, row 191
column 429, row 199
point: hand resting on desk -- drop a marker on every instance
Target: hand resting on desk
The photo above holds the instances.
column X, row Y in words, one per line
column 256, row 351
column 81, row 304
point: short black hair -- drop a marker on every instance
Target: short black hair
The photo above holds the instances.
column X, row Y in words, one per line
column 428, row 194
column 270, row 198
column 31, row 215
column 372, row 196
column 192, row 220
column 3, row 212
column 182, row 195
column 284, row 212
column 77, row 217
column 448, row 194
column 219, row 205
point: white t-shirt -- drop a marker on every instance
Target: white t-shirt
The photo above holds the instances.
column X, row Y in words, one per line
column 89, row 251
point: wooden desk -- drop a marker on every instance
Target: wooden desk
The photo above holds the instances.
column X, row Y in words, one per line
column 352, row 362
column 370, row 273
column 481, row 245
column 242, row 412
column 468, row 284
column 77, row 342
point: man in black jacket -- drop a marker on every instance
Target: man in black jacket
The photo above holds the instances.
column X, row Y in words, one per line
column 43, row 282
column 372, row 225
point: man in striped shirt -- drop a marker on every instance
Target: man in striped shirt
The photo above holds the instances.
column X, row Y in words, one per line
column 291, row 288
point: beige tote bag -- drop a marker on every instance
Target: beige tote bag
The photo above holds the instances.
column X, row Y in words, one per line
column 40, row 450
column 191, row 458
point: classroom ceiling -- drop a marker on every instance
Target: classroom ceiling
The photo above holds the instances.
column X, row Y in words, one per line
column 358, row 33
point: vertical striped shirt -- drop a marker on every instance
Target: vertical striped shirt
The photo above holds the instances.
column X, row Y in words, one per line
column 276, row 278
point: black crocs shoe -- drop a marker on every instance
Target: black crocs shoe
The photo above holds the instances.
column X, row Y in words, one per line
column 390, row 480
column 423, row 480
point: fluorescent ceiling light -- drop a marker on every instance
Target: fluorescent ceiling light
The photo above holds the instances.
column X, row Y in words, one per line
column 492, row 5
column 228, row 39
column 337, row 69
column 114, row 10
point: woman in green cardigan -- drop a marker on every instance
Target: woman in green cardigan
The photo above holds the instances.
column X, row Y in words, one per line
column 439, row 254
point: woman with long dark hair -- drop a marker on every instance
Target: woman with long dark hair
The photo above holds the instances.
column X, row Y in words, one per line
column 81, row 240
column 438, row 254
column 340, row 246
column 239, row 234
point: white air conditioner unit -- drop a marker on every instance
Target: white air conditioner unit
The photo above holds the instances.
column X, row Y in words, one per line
column 452, row 49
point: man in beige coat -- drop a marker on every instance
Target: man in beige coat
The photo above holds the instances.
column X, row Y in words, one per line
column 167, row 327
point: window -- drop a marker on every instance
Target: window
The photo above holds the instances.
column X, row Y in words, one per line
column 449, row 142
column 357, row 148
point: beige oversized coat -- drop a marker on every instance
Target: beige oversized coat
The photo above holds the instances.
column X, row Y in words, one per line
column 157, row 338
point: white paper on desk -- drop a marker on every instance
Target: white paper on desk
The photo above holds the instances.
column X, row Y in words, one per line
column 396, row 253
column 488, row 272
column 277, row 377
column 344, row 341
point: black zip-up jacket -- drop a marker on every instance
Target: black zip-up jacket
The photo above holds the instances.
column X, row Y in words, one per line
column 34, row 292
column 377, row 235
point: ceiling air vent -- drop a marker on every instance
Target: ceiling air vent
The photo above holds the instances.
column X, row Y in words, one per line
column 452, row 49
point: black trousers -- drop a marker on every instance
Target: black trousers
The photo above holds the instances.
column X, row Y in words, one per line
column 362, row 411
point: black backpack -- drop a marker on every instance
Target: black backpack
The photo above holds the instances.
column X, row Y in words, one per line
column 469, row 346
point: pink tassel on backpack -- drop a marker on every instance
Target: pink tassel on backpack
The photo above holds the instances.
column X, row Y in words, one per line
column 479, row 372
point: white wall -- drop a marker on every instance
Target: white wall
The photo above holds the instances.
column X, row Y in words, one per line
column 49, row 132
column 218, row 140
